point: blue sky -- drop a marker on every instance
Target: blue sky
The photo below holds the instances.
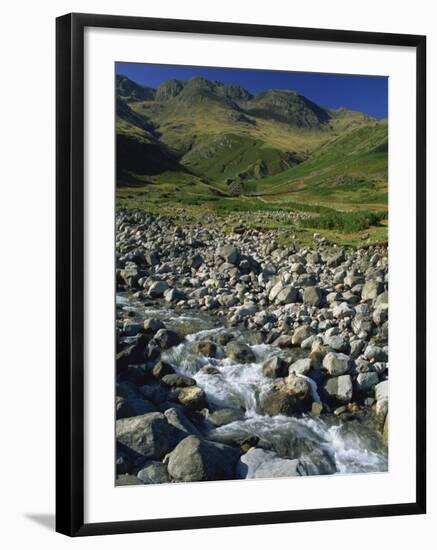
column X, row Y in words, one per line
column 368, row 94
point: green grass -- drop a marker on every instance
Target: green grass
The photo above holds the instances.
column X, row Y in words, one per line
column 195, row 156
column 345, row 222
column 354, row 158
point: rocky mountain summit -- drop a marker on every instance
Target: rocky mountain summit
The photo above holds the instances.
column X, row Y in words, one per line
column 293, row 346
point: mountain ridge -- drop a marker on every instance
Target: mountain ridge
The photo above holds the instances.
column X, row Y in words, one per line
column 221, row 138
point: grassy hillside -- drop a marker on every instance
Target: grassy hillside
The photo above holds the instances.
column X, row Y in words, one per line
column 213, row 147
column 351, row 169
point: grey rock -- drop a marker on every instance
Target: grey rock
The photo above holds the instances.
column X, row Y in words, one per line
column 298, row 387
column 161, row 369
column 280, row 400
column 263, row 317
column 127, row 479
column 340, row 388
column 274, row 292
column 381, row 391
column 153, row 472
column 176, row 417
column 193, row 397
column 126, row 408
column 174, row 295
column 382, row 299
column 222, row 417
column 337, row 342
column 131, row 328
column 275, row 367
column 150, row 435
column 375, row 353
column 199, row 460
column 380, row 314
column 178, row 380
column 206, row 347
column 167, row 338
column 312, row 296
column 301, row 334
column 301, row 366
column 157, row 289
column 371, row 290
column 343, row 310
column 259, row 463
column 336, row 363
column 287, row 295
column 335, row 259
column 151, row 258
column 240, row 352
column 230, row 254
column 367, row 380
column 153, row 325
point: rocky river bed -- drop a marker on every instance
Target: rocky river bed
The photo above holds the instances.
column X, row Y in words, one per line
column 240, row 358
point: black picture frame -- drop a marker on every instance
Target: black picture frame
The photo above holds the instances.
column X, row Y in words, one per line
column 70, row 273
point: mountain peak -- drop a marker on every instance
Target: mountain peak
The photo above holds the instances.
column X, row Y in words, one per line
column 170, row 88
column 128, row 90
column 286, row 106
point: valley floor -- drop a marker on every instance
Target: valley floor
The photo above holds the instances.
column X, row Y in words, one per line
column 241, row 356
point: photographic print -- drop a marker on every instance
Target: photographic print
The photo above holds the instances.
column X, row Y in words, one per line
column 251, row 247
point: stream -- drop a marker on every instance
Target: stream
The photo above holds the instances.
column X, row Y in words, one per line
column 350, row 445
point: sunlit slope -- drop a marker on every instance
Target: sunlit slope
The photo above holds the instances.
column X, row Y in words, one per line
column 197, row 139
column 350, row 168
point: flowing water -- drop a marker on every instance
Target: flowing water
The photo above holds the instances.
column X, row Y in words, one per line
column 348, row 446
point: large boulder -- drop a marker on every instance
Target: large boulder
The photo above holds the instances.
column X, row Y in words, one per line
column 299, row 387
column 335, row 259
column 381, row 391
column 259, row 463
column 301, row 334
column 206, row 347
column 150, row 435
column 161, row 369
column 312, row 296
column 229, row 254
column 366, row 381
column 240, row 352
column 174, row 295
column 287, row 295
column 275, row 290
column 135, row 354
column 193, row 397
column 336, row 363
column 222, row 417
column 198, row 460
column 130, row 275
column 126, row 408
column 178, row 380
column 343, row 310
column 339, row 389
column 157, row 289
column 337, row 342
column 127, row 479
column 287, row 397
column 166, row 338
column 176, row 417
column 301, row 366
column 275, row 367
column 371, row 289
column 131, row 328
column 151, row 258
column 375, row 353
column 153, row 472
column 380, row 314
column 153, row 325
